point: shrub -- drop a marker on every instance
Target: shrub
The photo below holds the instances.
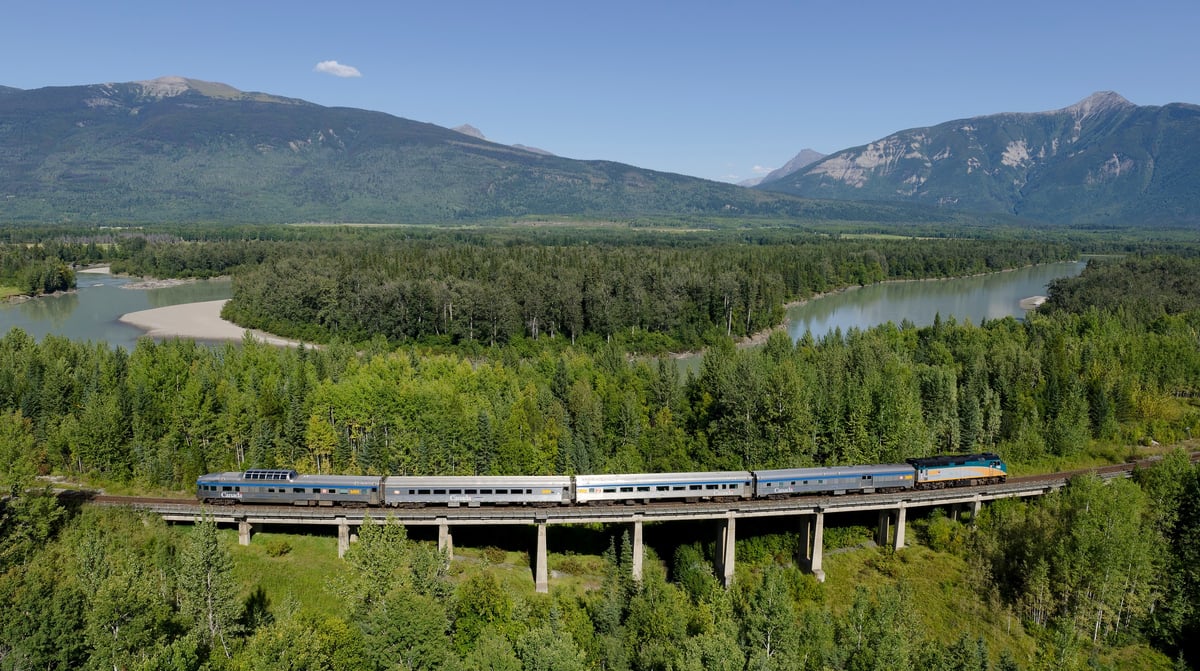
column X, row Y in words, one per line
column 278, row 547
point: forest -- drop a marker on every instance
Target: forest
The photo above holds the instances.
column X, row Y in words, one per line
column 32, row 270
column 1083, row 574
column 660, row 291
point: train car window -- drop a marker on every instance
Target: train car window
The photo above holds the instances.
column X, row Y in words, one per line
column 297, row 490
column 627, row 489
column 610, row 490
column 372, row 490
column 662, row 488
column 470, row 491
column 643, row 489
column 501, row 491
column 710, row 486
column 423, row 492
column 456, row 491
column 678, row 488
column 237, row 489
column 439, row 491
column 528, row 491
column 693, row 487
column 485, row 491
column 227, row 488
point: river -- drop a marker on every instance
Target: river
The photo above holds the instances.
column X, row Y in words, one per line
column 976, row 298
column 91, row 311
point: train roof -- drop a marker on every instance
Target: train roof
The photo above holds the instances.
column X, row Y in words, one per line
column 700, row 476
column 255, row 477
column 478, row 480
column 953, row 459
column 872, row 469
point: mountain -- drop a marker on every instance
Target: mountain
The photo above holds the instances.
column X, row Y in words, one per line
column 804, row 158
column 1103, row 160
column 176, row 149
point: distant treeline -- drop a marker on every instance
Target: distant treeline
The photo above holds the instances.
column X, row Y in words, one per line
column 467, row 292
column 1143, row 288
column 33, row 269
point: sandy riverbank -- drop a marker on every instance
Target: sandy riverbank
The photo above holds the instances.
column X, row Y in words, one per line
column 201, row 321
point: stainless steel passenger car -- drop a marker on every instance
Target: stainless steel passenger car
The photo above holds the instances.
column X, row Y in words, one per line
column 646, row 487
column 473, row 491
column 833, row 480
column 264, row 485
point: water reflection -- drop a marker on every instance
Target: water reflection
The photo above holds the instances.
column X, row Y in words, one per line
column 53, row 310
column 966, row 299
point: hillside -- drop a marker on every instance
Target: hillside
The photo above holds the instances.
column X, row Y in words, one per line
column 182, row 150
column 1103, row 160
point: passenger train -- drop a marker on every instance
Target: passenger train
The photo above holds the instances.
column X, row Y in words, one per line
column 287, row 487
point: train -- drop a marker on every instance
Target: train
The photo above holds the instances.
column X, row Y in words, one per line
column 287, row 487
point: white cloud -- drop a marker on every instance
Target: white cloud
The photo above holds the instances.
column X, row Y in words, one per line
column 759, row 170
column 337, row 69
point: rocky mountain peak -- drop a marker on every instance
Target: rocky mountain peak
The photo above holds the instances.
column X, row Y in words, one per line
column 1101, row 101
column 168, row 87
column 468, row 129
column 173, row 86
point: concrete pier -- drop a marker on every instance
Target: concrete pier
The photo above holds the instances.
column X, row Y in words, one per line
column 637, row 549
column 343, row 537
column 541, row 574
column 244, row 529
column 726, row 550
column 812, row 544
column 887, row 535
column 445, row 540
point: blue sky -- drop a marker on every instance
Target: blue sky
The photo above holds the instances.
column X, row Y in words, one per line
column 719, row 90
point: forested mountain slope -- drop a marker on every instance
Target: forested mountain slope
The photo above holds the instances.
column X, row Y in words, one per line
column 182, row 150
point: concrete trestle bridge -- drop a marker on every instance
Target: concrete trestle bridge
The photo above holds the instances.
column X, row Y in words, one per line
column 809, row 513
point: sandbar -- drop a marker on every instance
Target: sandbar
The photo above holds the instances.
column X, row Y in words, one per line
column 201, row 321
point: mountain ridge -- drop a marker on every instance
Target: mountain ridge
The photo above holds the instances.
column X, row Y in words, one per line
column 1102, row 160
column 176, row 149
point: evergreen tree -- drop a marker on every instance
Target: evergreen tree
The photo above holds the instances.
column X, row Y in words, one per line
column 208, row 593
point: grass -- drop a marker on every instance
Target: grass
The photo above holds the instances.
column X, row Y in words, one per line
column 6, row 291
column 944, row 598
column 294, row 581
